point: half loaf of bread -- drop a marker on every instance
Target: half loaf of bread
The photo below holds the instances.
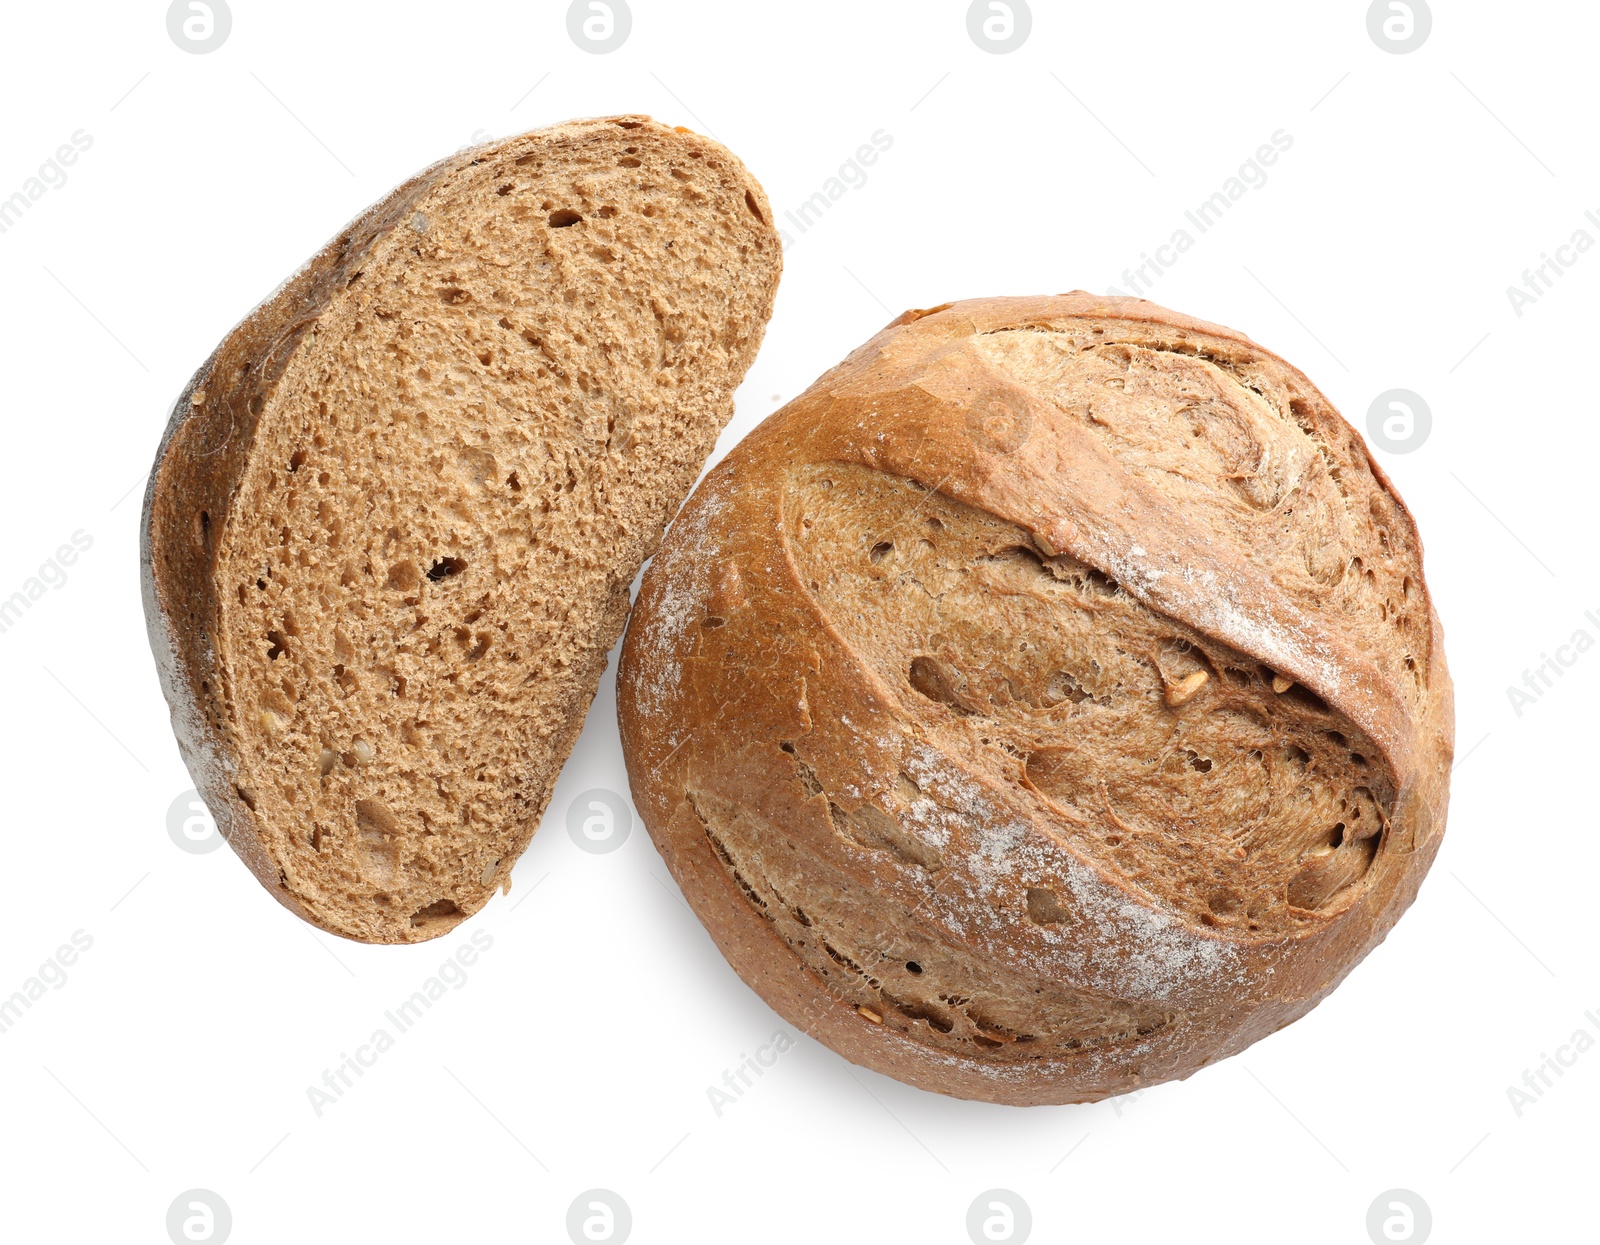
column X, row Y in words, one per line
column 391, row 529
column 1046, row 703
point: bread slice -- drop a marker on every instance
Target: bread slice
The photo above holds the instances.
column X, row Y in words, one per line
column 391, row 528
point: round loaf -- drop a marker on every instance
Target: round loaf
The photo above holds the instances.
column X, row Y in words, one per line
column 1045, row 704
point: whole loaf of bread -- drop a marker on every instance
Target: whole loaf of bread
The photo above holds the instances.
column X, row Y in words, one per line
column 1045, row 704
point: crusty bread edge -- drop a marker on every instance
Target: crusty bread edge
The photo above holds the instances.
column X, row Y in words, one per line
column 186, row 663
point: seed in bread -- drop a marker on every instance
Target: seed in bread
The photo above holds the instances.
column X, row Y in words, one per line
column 390, row 532
column 1047, row 703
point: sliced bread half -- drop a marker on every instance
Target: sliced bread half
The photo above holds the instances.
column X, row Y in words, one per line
column 391, row 528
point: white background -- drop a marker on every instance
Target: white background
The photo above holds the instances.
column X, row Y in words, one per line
column 178, row 1052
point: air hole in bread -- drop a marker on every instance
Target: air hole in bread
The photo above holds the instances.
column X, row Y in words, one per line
column 1305, row 696
column 1044, row 907
column 439, row 910
column 987, row 1031
column 1330, row 875
column 374, row 817
column 930, row 1015
column 444, row 568
column 1065, row 686
column 880, row 551
column 807, row 776
column 561, row 218
column 750, row 202
column 839, row 957
column 297, row 460
column 629, row 162
column 939, row 681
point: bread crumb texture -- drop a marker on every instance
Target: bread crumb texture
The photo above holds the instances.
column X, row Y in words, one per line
column 391, row 533
column 1057, row 681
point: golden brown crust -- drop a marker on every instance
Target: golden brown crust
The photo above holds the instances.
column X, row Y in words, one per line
column 808, row 792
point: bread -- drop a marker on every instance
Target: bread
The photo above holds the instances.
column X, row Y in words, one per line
column 1045, row 704
column 391, row 529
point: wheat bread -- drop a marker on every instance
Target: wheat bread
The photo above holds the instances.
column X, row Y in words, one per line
column 391, row 529
column 1046, row 704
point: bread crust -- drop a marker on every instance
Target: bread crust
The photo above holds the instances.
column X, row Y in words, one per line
column 202, row 460
column 735, row 678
